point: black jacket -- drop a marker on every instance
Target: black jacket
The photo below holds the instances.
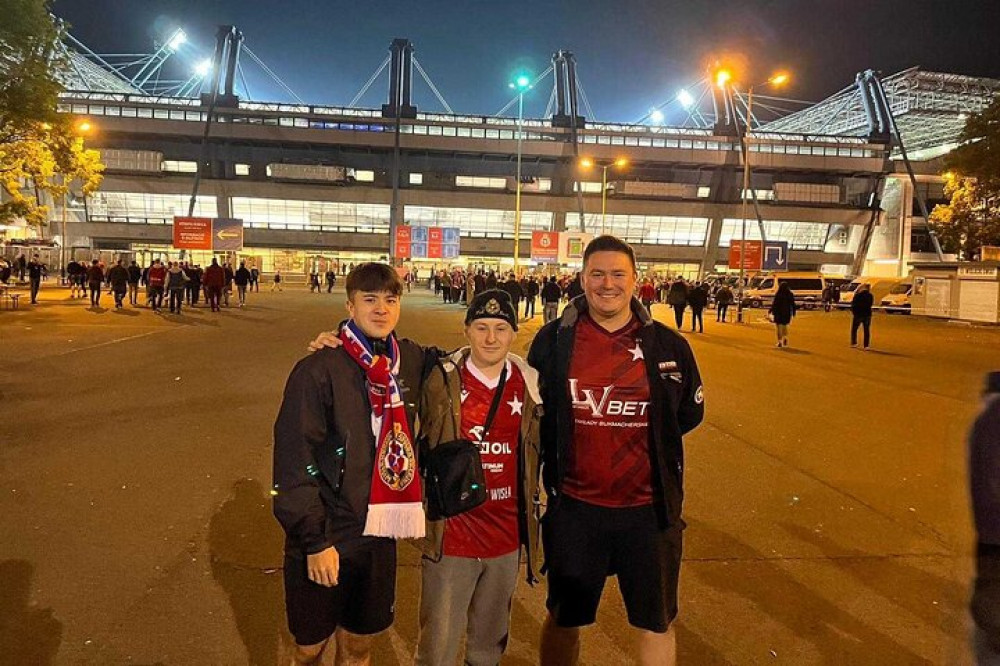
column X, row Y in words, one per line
column 551, row 293
column 676, row 402
column 698, row 298
column 514, row 289
column 862, row 303
column 242, row 276
column 783, row 307
column 324, row 449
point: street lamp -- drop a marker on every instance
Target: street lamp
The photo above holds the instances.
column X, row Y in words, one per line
column 722, row 78
column 82, row 128
column 521, row 84
column 587, row 163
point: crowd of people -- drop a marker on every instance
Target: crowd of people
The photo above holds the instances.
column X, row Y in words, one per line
column 178, row 283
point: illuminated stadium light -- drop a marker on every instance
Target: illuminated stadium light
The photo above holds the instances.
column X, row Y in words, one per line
column 656, row 116
column 685, row 98
column 203, row 68
column 177, row 40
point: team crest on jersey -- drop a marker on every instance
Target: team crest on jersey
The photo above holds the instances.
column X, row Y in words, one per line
column 397, row 464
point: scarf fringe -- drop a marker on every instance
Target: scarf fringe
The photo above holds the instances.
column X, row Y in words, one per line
column 396, row 521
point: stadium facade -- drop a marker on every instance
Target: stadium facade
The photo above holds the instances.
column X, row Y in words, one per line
column 314, row 184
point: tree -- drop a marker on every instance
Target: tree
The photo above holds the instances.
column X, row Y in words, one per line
column 41, row 151
column 972, row 217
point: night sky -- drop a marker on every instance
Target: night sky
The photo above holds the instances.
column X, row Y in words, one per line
column 632, row 54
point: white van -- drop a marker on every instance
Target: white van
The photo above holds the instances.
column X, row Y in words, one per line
column 807, row 287
column 898, row 298
column 878, row 286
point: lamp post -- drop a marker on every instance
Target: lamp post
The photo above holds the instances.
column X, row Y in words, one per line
column 587, row 163
column 722, row 79
column 521, row 84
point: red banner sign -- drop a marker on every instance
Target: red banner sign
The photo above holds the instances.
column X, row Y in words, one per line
column 193, row 233
column 754, row 254
column 545, row 246
column 403, row 239
column 435, row 243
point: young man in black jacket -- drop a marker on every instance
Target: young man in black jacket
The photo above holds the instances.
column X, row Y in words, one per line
column 620, row 390
column 345, row 478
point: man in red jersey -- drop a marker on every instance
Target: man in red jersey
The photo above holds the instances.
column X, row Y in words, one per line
column 470, row 564
column 620, row 390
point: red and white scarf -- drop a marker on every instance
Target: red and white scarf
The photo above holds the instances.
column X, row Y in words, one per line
column 395, row 509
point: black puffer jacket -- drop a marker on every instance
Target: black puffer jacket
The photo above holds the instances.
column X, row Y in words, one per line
column 675, row 392
column 324, row 449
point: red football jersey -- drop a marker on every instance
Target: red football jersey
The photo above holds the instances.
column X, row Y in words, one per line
column 609, row 462
column 490, row 530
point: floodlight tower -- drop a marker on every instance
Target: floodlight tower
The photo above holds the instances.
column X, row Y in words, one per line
column 178, row 39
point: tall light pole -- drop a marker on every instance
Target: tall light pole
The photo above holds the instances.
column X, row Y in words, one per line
column 722, row 79
column 521, row 84
column 587, row 163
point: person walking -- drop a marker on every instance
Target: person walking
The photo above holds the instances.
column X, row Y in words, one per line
column 620, row 390
column 698, row 300
column 254, row 279
column 314, row 282
column 156, row 279
column 551, row 295
column 470, row 561
column 227, row 285
column 677, row 298
column 530, row 295
column 446, row 286
column 134, row 276
column 647, row 294
column 35, row 269
column 118, row 277
column 276, row 284
column 215, row 281
column 782, row 311
column 861, row 309
column 174, row 286
column 95, row 278
column 984, row 470
column 331, row 279
column 723, row 299
column 242, row 280
column 513, row 289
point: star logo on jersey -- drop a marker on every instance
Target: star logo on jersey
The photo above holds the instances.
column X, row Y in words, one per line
column 465, row 394
column 636, row 352
column 515, row 406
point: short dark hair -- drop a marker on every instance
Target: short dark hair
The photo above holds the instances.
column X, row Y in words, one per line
column 373, row 276
column 609, row 243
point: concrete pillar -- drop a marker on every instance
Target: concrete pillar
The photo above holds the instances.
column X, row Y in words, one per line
column 711, row 256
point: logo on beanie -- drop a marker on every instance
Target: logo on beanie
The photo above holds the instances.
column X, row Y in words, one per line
column 492, row 307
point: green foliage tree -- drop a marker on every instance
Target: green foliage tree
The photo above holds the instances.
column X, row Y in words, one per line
column 972, row 217
column 41, row 151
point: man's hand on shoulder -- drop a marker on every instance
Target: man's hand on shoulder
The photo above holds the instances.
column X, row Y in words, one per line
column 325, row 339
column 324, row 567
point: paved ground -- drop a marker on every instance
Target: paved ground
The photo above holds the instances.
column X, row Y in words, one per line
column 826, row 494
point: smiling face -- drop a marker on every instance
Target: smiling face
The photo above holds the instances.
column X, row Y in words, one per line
column 489, row 341
column 608, row 282
column 375, row 312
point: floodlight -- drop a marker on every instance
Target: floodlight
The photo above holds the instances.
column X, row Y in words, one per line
column 685, row 98
column 656, row 116
column 203, row 68
column 586, row 162
column 176, row 41
column 722, row 77
column 621, row 162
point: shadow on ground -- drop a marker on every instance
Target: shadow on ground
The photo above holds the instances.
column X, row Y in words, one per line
column 246, row 550
column 27, row 635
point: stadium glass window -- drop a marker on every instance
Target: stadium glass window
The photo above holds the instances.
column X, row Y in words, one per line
column 651, row 229
column 587, row 187
column 180, row 166
column 242, row 169
column 363, row 176
column 416, row 179
column 304, row 215
column 798, row 235
column 478, row 222
column 147, row 208
column 483, row 182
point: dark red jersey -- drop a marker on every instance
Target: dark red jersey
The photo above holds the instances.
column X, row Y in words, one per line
column 609, row 463
column 490, row 530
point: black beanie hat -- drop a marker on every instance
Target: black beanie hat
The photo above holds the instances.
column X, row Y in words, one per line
column 492, row 304
column 992, row 382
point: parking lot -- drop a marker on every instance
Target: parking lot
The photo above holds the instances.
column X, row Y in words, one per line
column 827, row 508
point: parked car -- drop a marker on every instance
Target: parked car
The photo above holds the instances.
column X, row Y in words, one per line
column 898, row 298
column 807, row 287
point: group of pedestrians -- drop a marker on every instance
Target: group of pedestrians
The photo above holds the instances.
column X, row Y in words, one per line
column 349, row 453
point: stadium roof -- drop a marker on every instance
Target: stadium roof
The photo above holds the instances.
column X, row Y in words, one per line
column 930, row 109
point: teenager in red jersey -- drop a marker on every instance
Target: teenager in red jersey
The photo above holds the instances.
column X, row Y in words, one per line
column 471, row 561
column 620, row 390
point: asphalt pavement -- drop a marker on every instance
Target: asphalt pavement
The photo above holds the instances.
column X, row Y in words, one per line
column 827, row 509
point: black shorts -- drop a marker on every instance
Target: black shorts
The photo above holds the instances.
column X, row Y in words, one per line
column 584, row 544
column 362, row 603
